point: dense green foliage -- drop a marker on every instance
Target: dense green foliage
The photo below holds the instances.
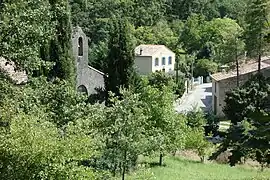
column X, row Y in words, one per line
column 60, row 45
column 252, row 96
column 247, row 107
column 36, row 35
column 204, row 67
column 45, row 132
column 49, row 131
column 204, row 28
column 24, row 26
column 120, row 60
column 257, row 27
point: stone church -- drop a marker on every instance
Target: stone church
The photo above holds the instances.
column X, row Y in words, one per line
column 89, row 79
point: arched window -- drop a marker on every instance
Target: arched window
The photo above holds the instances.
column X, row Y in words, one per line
column 82, row 89
column 156, row 62
column 170, row 60
column 163, row 61
column 80, row 50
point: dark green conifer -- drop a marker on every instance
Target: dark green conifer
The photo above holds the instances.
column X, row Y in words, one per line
column 120, row 60
column 61, row 47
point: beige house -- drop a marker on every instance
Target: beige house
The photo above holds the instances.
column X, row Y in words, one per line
column 152, row 58
column 223, row 82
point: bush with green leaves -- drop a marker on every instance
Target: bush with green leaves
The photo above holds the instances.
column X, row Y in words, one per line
column 49, row 132
column 123, row 130
column 34, row 149
column 61, row 101
column 195, row 134
column 195, row 140
column 163, row 127
column 160, row 79
column 212, row 124
column 196, row 118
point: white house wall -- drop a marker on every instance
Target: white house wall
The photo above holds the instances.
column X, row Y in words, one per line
column 160, row 67
column 143, row 64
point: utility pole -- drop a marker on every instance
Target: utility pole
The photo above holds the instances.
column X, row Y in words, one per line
column 192, row 61
column 260, row 53
column 237, row 63
column 177, row 69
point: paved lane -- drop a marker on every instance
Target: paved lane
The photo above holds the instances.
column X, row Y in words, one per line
column 200, row 97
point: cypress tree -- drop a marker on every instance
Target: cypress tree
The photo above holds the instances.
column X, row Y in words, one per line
column 120, row 59
column 60, row 46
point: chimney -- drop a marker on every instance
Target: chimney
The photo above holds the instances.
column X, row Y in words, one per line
column 141, row 51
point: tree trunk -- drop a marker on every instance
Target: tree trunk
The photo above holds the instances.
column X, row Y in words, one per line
column 237, row 70
column 202, row 159
column 259, row 63
column 124, row 165
column 160, row 159
column 114, row 169
column 262, row 167
column 177, row 65
column 187, row 85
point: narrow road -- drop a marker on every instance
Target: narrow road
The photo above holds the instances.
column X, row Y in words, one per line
column 200, row 97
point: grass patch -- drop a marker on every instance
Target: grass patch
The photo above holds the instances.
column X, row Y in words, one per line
column 177, row 168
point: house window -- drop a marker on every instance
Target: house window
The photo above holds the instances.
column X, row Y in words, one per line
column 163, row 61
column 170, row 60
column 80, row 48
column 156, row 62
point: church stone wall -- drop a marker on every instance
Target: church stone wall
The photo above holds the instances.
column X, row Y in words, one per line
column 87, row 76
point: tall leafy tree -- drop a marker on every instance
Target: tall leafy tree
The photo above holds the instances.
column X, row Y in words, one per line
column 120, row 60
column 257, row 19
column 158, row 98
column 24, row 27
column 223, row 34
column 124, row 132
